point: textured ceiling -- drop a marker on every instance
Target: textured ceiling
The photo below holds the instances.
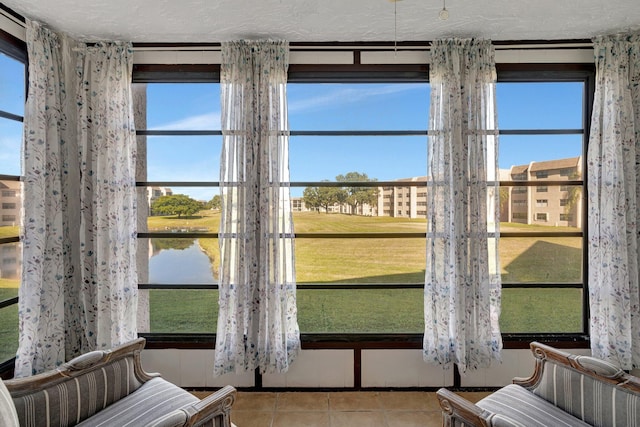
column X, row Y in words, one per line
column 330, row 20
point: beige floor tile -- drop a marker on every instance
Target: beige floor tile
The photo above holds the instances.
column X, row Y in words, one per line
column 306, row 419
column 354, row 401
column 255, row 401
column 408, row 401
column 251, row 418
column 302, row 401
column 362, row 418
column 414, row 419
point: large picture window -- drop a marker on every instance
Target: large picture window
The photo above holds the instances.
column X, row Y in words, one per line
column 178, row 127
column 358, row 156
column 359, row 194
column 12, row 100
column 542, row 145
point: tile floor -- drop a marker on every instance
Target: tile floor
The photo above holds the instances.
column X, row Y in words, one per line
column 339, row 409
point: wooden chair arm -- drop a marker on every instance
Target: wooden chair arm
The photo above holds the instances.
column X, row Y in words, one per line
column 212, row 406
column 456, row 407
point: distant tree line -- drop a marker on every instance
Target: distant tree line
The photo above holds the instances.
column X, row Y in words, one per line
column 322, row 197
column 317, row 198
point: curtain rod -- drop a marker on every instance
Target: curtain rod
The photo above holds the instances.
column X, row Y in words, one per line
column 381, row 47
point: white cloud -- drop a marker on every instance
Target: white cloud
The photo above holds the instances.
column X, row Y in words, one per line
column 350, row 94
column 207, row 121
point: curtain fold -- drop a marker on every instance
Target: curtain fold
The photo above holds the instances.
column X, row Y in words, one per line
column 74, row 288
column 257, row 321
column 613, row 165
column 462, row 280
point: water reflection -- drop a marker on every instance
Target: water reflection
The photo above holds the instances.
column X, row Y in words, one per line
column 179, row 261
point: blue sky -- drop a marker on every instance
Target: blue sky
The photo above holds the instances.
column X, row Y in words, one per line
column 325, row 107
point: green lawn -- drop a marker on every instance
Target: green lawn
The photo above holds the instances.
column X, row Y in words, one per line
column 365, row 261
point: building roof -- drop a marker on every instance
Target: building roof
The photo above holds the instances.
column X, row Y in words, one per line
column 571, row 162
column 519, row 169
column 413, row 179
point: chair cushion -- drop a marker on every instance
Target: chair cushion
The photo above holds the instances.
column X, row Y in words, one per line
column 525, row 408
column 73, row 400
column 597, row 402
column 154, row 399
column 8, row 414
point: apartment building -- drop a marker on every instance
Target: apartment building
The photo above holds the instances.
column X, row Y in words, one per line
column 404, row 202
column 544, row 204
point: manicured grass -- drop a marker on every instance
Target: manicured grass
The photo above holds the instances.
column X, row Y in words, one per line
column 183, row 311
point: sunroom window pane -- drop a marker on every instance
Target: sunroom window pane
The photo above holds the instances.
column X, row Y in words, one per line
column 540, row 259
column 183, row 106
column 361, row 311
column 8, row 332
column 12, row 85
column 538, row 105
column 357, row 260
column 358, row 106
column 10, row 146
column 182, row 260
column 540, row 157
column 541, row 208
column 183, row 158
column 388, row 158
column 179, row 209
column 10, row 269
column 10, row 207
column 539, row 310
column 183, row 310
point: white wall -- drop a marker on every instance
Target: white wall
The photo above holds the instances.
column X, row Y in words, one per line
column 335, row 369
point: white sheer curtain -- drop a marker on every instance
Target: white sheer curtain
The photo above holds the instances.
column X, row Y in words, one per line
column 462, row 281
column 76, row 290
column 257, row 323
column 614, row 193
column 107, row 155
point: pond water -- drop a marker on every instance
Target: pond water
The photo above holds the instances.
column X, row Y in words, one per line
column 188, row 265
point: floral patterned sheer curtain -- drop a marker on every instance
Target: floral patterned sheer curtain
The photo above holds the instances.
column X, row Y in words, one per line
column 257, row 322
column 614, row 192
column 462, row 283
column 78, row 281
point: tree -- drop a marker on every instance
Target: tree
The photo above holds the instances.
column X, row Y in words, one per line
column 330, row 196
column 310, row 198
column 215, row 203
column 323, row 197
column 176, row 204
column 357, row 195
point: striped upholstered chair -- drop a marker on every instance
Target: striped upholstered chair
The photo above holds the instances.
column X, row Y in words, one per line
column 110, row 388
column 564, row 390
